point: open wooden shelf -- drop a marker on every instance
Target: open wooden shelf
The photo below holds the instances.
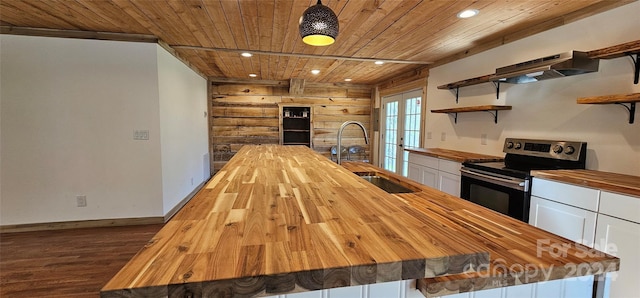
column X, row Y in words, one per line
column 473, row 81
column 616, row 51
column 620, row 99
column 626, row 49
column 486, row 108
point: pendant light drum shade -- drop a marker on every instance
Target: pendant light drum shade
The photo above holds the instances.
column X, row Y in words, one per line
column 319, row 25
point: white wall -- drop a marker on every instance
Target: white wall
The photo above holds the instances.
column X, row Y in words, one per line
column 547, row 109
column 68, row 111
column 183, row 127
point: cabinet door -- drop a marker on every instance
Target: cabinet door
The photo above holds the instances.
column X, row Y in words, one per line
column 415, row 172
column 567, row 221
column 449, row 183
column 620, row 238
column 429, row 177
column 423, row 175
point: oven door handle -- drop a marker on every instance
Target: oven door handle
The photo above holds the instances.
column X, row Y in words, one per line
column 510, row 183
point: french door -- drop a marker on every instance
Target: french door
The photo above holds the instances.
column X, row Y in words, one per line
column 400, row 115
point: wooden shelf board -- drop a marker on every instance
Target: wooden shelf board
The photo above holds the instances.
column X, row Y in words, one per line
column 616, row 51
column 609, row 99
column 469, row 82
column 473, row 109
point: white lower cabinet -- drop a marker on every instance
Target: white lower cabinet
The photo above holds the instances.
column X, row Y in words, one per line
column 570, row 222
column 621, row 238
column 441, row 174
column 449, row 183
column 606, row 221
column 395, row 289
column 423, row 175
column 566, row 210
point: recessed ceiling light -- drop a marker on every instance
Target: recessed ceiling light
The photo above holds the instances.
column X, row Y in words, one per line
column 347, row 80
column 246, row 54
column 253, row 75
column 468, row 13
column 379, row 62
column 315, row 71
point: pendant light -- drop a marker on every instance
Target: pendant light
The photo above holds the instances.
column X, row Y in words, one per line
column 319, row 25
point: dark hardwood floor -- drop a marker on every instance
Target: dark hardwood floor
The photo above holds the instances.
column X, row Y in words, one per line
column 66, row 263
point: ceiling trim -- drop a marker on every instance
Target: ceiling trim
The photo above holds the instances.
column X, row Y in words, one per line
column 64, row 33
column 298, row 55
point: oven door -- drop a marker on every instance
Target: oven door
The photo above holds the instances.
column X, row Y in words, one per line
column 504, row 194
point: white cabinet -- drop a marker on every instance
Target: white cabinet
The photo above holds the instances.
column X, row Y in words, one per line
column 618, row 234
column 565, row 210
column 449, row 183
column 438, row 173
column 570, row 222
column 606, row 221
column 425, row 175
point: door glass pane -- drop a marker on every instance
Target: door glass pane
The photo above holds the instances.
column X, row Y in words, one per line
column 391, row 136
column 411, row 129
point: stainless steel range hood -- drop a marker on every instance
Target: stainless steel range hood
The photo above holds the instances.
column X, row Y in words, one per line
column 550, row 67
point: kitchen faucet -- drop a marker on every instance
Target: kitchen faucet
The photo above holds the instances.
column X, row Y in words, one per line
column 345, row 124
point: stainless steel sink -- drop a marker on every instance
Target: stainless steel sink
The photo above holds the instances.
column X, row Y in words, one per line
column 386, row 184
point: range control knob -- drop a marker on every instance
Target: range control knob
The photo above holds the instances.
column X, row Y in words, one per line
column 509, row 145
column 570, row 150
column 518, row 145
column 557, row 149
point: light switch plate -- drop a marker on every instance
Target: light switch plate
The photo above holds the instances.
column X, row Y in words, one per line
column 81, row 201
column 141, row 134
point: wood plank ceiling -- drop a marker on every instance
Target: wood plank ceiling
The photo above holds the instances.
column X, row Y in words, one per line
column 413, row 31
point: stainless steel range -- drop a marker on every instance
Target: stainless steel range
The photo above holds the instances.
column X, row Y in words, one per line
column 506, row 186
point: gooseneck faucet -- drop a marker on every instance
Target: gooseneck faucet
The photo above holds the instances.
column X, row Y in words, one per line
column 345, row 124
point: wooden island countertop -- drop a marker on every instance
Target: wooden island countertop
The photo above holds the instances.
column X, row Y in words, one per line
column 285, row 219
column 279, row 219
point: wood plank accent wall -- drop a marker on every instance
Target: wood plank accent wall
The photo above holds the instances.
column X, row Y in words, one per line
column 244, row 113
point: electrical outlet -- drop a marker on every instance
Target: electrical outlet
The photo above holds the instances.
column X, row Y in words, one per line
column 443, row 136
column 81, row 201
column 191, row 180
column 141, row 134
column 483, row 139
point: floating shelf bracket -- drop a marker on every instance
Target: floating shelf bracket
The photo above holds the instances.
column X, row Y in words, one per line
column 457, row 93
column 636, row 65
column 497, row 85
column 495, row 115
column 455, row 117
column 631, row 108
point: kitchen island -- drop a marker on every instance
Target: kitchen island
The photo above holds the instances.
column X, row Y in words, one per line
column 284, row 219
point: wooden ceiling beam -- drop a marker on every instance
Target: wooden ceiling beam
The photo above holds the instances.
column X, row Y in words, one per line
column 299, row 55
column 285, row 83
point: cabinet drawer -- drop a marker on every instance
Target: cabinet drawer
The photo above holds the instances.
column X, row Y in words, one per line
column 448, row 166
column 422, row 160
column 620, row 206
column 582, row 197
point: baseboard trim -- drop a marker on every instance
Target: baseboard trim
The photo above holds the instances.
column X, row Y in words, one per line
column 99, row 223
column 184, row 201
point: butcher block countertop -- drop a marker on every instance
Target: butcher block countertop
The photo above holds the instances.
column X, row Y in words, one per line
column 282, row 219
column 620, row 183
column 454, row 155
column 520, row 253
column 279, row 219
